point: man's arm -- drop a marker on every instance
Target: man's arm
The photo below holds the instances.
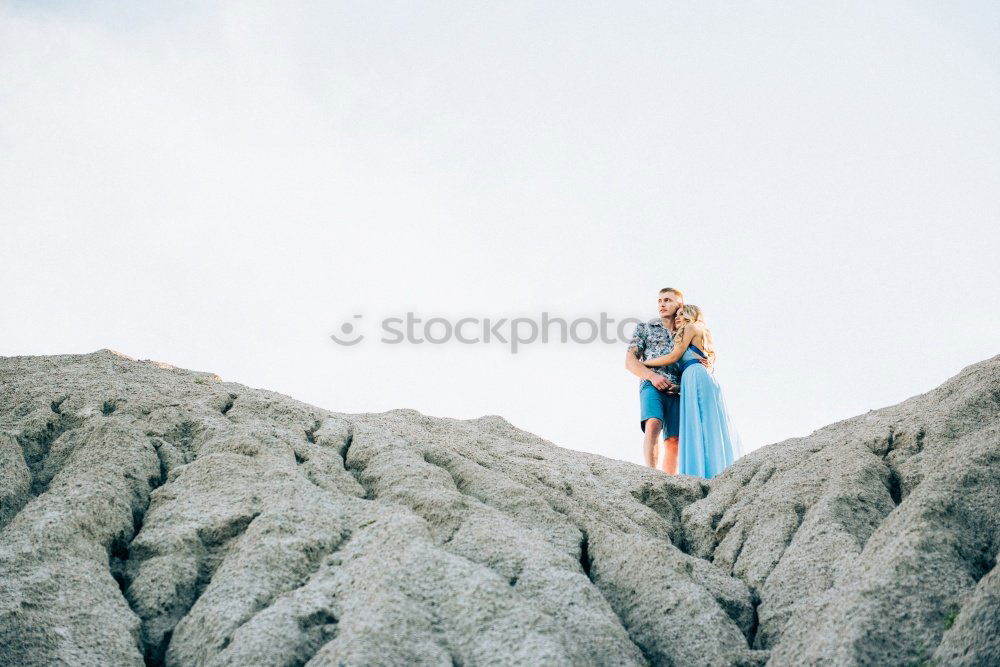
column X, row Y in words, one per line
column 634, row 353
column 633, row 364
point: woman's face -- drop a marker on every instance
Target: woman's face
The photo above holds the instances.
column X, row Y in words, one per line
column 679, row 319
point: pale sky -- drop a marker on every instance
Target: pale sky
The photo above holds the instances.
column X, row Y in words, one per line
column 222, row 186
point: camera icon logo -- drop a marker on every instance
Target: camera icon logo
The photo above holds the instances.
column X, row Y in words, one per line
column 347, row 328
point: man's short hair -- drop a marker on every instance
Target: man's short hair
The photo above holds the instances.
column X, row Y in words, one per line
column 680, row 294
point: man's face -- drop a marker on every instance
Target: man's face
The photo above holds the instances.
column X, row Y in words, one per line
column 668, row 304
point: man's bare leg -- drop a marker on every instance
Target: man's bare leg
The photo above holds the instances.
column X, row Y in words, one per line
column 670, row 456
column 650, row 442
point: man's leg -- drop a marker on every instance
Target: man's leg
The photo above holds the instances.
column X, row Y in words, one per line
column 651, row 440
column 670, row 457
column 671, row 431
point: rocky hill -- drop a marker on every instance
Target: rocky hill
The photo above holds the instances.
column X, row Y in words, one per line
column 152, row 514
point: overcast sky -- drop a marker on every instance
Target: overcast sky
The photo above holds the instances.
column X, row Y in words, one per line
column 221, row 187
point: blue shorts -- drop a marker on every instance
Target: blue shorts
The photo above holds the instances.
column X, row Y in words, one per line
column 662, row 406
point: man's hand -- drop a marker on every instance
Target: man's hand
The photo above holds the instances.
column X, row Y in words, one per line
column 707, row 363
column 660, row 382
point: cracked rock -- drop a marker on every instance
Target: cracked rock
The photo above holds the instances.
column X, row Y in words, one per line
column 148, row 516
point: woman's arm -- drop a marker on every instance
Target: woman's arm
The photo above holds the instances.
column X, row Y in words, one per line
column 679, row 348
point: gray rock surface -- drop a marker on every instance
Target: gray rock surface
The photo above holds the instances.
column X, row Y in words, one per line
column 152, row 514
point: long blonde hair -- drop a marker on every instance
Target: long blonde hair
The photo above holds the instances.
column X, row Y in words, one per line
column 693, row 314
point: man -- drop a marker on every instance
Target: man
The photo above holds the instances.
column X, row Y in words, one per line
column 659, row 391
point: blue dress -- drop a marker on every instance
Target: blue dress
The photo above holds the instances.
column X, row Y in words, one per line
column 708, row 443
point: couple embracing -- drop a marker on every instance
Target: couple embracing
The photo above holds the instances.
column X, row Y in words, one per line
column 678, row 395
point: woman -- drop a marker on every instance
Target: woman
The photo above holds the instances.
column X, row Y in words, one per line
column 708, row 442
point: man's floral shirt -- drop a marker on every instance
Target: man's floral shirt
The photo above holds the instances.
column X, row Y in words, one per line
column 650, row 340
